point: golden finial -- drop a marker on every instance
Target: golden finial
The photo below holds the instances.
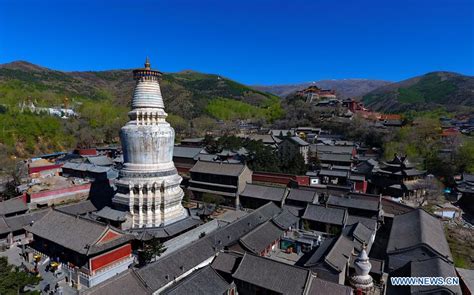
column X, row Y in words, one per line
column 147, row 63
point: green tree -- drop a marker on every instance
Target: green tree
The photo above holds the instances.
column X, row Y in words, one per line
column 291, row 160
column 465, row 157
column 13, row 280
column 177, row 122
column 442, row 167
column 261, row 157
column 213, row 199
column 211, row 144
column 152, row 249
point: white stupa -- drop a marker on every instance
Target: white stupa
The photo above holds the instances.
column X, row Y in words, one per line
column 148, row 184
column 362, row 279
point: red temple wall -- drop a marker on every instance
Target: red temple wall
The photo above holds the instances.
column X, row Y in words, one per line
column 60, row 191
column 110, row 257
column 43, row 168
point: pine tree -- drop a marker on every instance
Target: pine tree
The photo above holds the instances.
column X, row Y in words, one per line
column 151, row 249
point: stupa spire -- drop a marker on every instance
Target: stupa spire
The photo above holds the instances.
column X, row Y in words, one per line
column 147, row 63
column 361, row 279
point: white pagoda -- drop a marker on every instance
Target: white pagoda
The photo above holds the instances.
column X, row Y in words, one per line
column 148, row 186
column 362, row 280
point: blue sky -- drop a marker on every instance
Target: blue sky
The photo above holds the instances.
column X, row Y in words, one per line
column 254, row 42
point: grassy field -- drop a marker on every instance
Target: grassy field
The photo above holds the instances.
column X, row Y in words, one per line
column 461, row 242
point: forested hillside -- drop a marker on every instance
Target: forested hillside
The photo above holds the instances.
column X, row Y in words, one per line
column 451, row 91
column 102, row 99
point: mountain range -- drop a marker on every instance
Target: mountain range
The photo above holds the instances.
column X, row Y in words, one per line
column 186, row 93
column 451, row 91
column 344, row 88
column 194, row 101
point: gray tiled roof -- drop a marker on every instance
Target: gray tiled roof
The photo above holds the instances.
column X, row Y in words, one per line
column 413, row 172
column 226, row 262
column 357, row 177
column 332, row 149
column 368, row 222
column 340, row 253
column 226, row 153
column 86, row 167
column 193, row 139
column 167, row 230
column 74, row 232
column 272, row 275
column 260, row 238
column 100, row 161
column 350, row 202
column 233, row 232
column 265, row 138
column 14, row 205
column 186, row 152
column 302, row 195
column 318, row 255
column 335, row 158
column 285, row 219
column 468, row 177
column 4, row 229
column 295, row 210
column 18, row 222
column 319, row 286
column 167, row 268
column 395, row 208
column 433, row 267
column 78, row 208
column 191, row 235
column 270, row 193
column 417, row 228
column 344, row 142
column 360, row 235
column 378, row 265
column 180, row 226
column 334, row 173
column 111, row 214
column 299, row 141
column 336, row 252
column 205, row 281
column 467, row 275
column 218, row 168
column 323, row 214
column 124, row 283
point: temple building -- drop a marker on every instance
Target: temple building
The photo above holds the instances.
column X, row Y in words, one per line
column 314, row 93
column 87, row 252
column 399, row 178
column 148, row 186
column 465, row 189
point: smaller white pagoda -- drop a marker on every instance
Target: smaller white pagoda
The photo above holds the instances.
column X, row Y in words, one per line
column 362, row 280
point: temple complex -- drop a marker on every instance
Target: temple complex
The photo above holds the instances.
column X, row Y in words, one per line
column 148, row 184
